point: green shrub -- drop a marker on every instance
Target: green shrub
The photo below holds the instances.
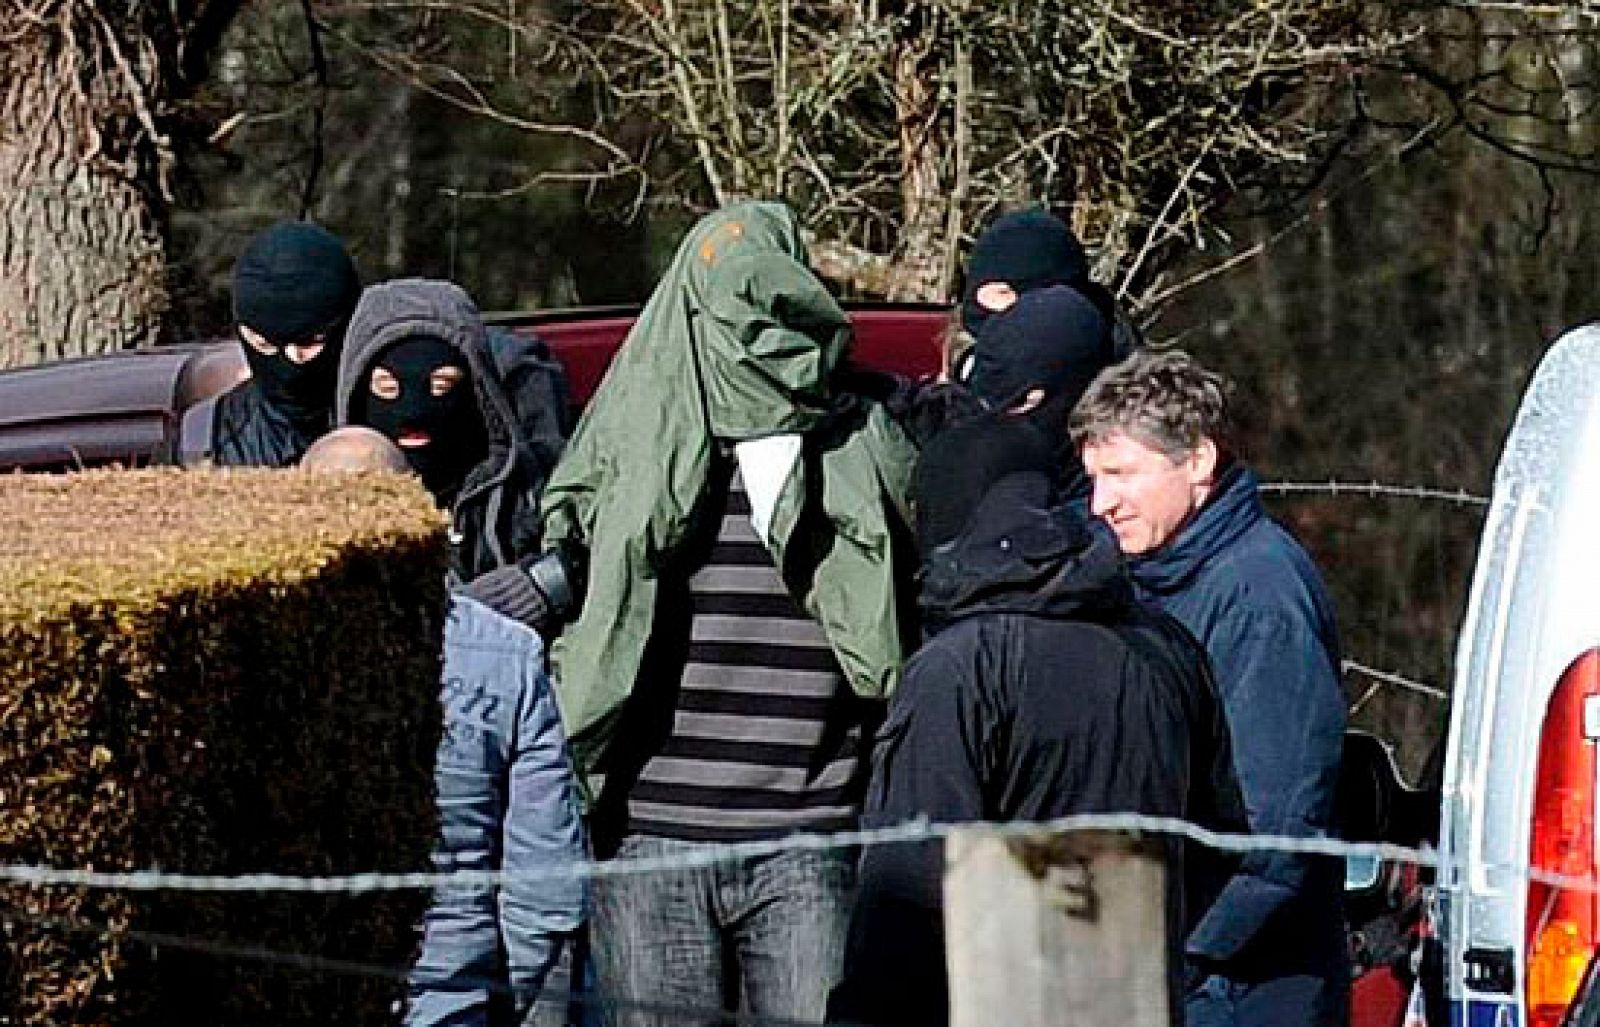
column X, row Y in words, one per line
column 220, row 673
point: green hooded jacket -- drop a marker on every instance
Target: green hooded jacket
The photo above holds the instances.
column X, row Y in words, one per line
column 735, row 348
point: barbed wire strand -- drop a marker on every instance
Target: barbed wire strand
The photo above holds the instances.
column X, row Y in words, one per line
column 919, row 830
column 1375, row 490
column 1373, row 688
column 1387, row 677
column 912, row 831
column 698, row 857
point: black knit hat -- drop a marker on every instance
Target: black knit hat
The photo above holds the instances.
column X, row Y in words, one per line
column 294, row 280
column 1026, row 249
column 1053, row 339
column 959, row 466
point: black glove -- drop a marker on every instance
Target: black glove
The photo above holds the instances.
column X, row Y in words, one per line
column 856, row 380
column 543, row 592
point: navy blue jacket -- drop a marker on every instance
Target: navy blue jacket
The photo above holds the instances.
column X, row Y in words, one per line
column 1247, row 590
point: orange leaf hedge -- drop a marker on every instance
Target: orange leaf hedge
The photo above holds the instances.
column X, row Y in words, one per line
column 214, row 672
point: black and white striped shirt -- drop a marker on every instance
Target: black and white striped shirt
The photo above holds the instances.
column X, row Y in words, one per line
column 766, row 736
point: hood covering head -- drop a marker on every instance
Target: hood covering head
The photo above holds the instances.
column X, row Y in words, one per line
column 958, row 467
column 418, row 324
column 1052, row 339
column 293, row 282
column 765, row 335
column 1023, row 551
column 1026, row 249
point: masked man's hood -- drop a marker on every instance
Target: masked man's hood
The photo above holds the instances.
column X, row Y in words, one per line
column 1024, row 552
column 391, row 311
column 521, row 447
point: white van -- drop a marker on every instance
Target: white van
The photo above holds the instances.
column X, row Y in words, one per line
column 1520, row 802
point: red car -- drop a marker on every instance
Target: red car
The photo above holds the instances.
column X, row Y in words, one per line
column 127, row 408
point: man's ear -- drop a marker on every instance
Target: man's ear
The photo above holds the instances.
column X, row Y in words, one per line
column 1202, row 464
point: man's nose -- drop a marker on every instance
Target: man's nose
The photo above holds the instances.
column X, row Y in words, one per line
column 1101, row 499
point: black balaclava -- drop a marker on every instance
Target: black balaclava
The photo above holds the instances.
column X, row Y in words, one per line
column 293, row 282
column 1053, row 339
column 960, row 465
column 1026, row 249
column 452, row 423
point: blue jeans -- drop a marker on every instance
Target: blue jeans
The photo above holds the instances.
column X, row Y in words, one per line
column 677, row 948
column 567, row 999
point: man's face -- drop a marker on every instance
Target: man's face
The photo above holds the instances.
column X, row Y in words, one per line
column 1142, row 493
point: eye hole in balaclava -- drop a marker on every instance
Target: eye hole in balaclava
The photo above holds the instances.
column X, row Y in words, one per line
column 1022, row 251
column 301, row 389
column 420, row 394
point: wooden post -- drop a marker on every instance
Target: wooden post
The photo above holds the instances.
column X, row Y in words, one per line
column 1055, row 930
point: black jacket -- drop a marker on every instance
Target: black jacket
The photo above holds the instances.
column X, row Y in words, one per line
column 1050, row 691
column 247, row 430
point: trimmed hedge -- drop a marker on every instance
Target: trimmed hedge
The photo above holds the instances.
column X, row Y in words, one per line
column 214, row 672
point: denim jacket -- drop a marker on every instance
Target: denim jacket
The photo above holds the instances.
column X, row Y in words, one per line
column 507, row 801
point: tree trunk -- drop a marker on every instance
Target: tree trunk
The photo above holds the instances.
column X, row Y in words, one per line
column 83, row 161
column 82, row 267
column 918, row 272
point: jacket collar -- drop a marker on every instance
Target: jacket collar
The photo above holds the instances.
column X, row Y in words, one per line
column 1023, row 552
column 1233, row 509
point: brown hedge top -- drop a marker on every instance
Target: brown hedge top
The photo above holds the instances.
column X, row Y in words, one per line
column 124, row 538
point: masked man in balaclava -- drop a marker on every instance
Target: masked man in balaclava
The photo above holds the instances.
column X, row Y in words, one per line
column 746, row 611
column 1032, row 363
column 1022, row 253
column 1033, row 249
column 479, row 415
column 294, row 287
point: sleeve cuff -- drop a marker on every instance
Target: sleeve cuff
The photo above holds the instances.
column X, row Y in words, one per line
column 509, row 592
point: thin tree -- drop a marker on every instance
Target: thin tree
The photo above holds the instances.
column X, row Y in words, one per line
column 897, row 127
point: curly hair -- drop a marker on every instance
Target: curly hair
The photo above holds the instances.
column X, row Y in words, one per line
column 1165, row 399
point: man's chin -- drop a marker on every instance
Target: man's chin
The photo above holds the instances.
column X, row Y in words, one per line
column 1137, row 545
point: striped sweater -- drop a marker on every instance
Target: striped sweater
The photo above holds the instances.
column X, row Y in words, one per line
column 766, row 736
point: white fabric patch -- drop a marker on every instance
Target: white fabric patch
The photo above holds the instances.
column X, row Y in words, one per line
column 766, row 465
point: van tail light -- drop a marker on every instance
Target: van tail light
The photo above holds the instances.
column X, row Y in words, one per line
column 1562, row 922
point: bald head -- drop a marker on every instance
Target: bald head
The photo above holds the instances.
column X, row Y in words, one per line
column 355, row 448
